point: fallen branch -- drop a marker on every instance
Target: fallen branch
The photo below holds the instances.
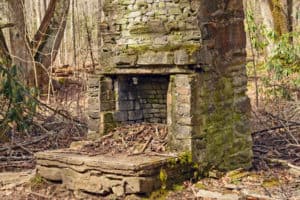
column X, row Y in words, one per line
column 146, row 145
column 25, row 149
column 40, row 195
column 289, row 132
column 274, row 128
column 15, row 158
column 294, row 145
column 284, row 163
column 7, row 25
column 284, row 125
column 34, row 141
column 280, row 119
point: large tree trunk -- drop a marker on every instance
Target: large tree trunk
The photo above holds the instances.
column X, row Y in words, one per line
column 290, row 4
column 280, row 15
column 20, row 50
column 51, row 38
column 41, row 33
column 4, row 54
column 73, row 30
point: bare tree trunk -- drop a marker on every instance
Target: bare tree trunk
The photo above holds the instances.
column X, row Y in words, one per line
column 52, row 35
column 20, row 51
column 89, row 38
column 40, row 11
column 4, row 54
column 65, row 47
column 280, row 16
column 41, row 33
column 74, row 34
column 290, row 4
column 99, row 33
column 37, row 13
column 45, row 5
column 47, row 51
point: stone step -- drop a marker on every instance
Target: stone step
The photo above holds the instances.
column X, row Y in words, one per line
column 102, row 174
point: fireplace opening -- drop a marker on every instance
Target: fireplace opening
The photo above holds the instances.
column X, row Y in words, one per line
column 141, row 99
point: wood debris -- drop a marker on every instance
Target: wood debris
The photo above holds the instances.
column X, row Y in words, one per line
column 52, row 133
column 131, row 140
column 279, row 140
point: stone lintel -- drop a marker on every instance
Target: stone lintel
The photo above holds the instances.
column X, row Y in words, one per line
column 160, row 70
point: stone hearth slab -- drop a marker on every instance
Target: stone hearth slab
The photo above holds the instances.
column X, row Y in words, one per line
column 103, row 174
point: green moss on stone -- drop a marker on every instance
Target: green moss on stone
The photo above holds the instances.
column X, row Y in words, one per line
column 140, row 29
column 108, row 122
column 218, row 123
column 140, row 49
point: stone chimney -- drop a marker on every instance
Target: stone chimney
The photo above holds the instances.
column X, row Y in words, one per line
column 178, row 62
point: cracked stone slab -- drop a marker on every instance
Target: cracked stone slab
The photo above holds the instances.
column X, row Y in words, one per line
column 102, row 174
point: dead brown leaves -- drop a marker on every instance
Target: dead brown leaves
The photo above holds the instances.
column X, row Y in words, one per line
column 131, row 140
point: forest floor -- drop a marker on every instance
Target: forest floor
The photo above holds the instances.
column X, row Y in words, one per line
column 275, row 173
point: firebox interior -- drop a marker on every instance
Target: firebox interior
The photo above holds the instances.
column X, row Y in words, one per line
column 141, row 98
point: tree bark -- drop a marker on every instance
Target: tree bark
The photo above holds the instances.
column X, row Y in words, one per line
column 89, row 38
column 4, row 53
column 290, row 4
column 280, row 15
column 20, row 51
column 52, row 33
column 41, row 33
column 99, row 31
column 74, row 34
column 47, row 51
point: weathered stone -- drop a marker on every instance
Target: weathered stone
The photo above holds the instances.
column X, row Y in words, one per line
column 135, row 115
column 134, row 14
column 93, row 135
column 206, row 194
column 126, row 105
column 140, row 184
column 125, row 60
column 250, row 194
column 93, row 124
column 152, row 58
column 181, row 57
column 174, row 11
column 182, row 132
column 79, row 144
column 84, row 181
column 121, row 116
column 103, row 174
column 53, row 174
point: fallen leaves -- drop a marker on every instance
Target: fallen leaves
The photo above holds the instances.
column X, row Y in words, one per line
column 131, row 139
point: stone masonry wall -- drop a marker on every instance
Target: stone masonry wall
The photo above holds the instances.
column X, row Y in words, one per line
column 150, row 32
column 222, row 109
column 93, row 105
column 180, row 112
column 144, row 101
column 209, row 112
